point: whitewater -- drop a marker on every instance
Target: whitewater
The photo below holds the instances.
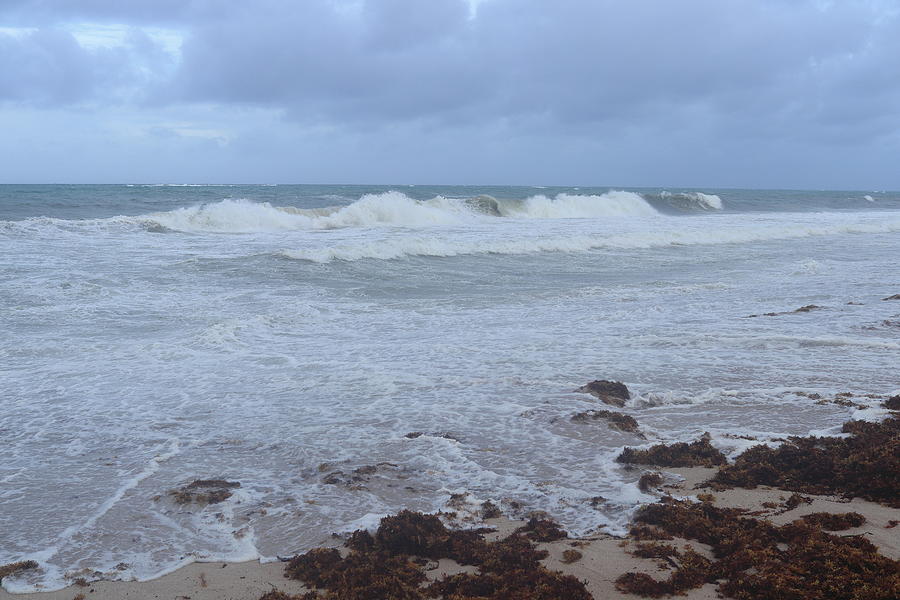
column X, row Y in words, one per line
column 430, row 337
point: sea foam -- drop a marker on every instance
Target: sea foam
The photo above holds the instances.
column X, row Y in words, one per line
column 394, row 209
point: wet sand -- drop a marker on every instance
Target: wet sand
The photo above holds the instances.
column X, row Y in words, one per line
column 604, row 558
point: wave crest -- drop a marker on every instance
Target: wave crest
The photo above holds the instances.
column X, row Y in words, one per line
column 692, row 200
column 576, row 206
column 394, row 209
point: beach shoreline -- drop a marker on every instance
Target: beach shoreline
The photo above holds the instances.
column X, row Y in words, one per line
column 601, row 559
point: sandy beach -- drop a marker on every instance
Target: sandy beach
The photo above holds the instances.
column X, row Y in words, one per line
column 602, row 559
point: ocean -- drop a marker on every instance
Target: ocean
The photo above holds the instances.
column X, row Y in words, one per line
column 347, row 351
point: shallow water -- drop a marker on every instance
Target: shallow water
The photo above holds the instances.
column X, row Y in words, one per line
column 273, row 335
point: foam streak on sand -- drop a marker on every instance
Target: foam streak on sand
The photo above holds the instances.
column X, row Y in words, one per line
column 174, row 447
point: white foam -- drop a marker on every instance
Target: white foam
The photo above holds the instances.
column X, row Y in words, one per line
column 439, row 245
column 574, row 206
column 390, row 209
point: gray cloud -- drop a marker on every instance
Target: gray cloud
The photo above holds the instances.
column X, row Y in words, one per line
column 761, row 64
column 643, row 77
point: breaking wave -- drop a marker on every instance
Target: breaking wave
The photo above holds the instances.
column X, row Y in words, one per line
column 691, row 200
column 392, row 209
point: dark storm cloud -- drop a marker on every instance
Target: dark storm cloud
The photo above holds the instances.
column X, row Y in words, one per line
column 632, row 81
column 756, row 67
column 575, row 62
column 48, row 67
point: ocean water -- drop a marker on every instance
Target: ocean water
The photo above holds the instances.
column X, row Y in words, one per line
column 285, row 336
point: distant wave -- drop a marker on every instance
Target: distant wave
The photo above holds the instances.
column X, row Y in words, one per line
column 393, row 209
column 689, row 200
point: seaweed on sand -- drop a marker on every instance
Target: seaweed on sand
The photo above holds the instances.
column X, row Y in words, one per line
column 757, row 560
column 834, row 521
column 16, row 567
column 382, row 565
column 542, row 530
column 650, row 480
column 696, row 454
column 654, row 550
column 692, row 571
column 865, row 464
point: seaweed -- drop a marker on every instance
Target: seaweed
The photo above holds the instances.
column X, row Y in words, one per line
column 693, row 570
column 654, row 550
column 865, row 464
column 760, row 561
column 354, row 479
column 615, row 420
column 834, row 522
column 892, row 403
column 700, row 453
column 385, row 565
column 650, row 480
column 569, row 556
column 542, row 530
column 614, row 393
column 204, row 491
column 647, row 532
column 794, row 501
column 359, row 576
column 16, row 567
column 489, row 510
column 279, row 595
column 802, row 309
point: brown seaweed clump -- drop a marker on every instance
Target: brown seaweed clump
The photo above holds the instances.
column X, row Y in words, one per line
column 654, row 550
column 614, row 393
column 802, row 309
column 892, row 403
column 16, row 567
column 489, row 510
column 205, row 491
column 649, row 481
column 755, row 560
column 834, row 522
column 279, row 595
column 696, row 454
column 542, row 530
column 615, row 420
column 384, row 565
column 865, row 464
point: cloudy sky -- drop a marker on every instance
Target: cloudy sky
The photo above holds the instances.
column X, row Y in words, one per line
column 716, row 93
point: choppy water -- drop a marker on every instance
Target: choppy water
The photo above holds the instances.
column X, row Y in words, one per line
column 153, row 335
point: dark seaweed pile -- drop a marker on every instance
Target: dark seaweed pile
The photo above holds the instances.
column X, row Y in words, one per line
column 615, row 420
column 696, row 454
column 389, row 565
column 756, row 560
column 865, row 464
column 835, row 522
column 16, row 567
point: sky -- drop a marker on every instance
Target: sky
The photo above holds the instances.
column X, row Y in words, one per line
column 713, row 93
